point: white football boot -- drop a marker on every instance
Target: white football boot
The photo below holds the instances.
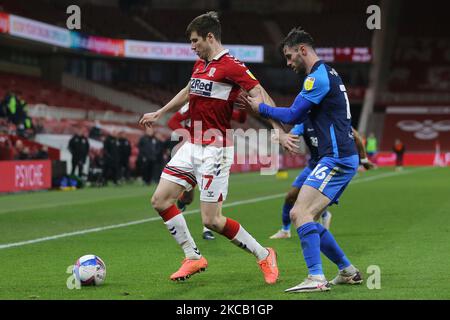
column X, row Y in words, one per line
column 345, row 277
column 311, row 284
column 281, row 234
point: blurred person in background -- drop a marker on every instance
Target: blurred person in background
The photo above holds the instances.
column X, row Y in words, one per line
column 21, row 152
column 150, row 155
column 79, row 148
column 111, row 158
column 124, row 154
column 3, row 108
column 10, row 106
column 96, row 166
column 399, row 150
column 42, row 154
column 371, row 146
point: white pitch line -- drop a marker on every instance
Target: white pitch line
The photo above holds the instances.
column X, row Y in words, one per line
column 115, row 226
column 226, row 205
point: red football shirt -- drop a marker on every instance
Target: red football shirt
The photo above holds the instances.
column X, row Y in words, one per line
column 181, row 120
column 214, row 87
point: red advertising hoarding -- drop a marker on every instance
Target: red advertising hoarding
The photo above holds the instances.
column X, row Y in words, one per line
column 419, row 128
column 25, row 175
column 414, row 159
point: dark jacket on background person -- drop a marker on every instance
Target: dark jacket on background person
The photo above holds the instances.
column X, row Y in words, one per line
column 150, row 148
column 124, row 151
column 111, row 158
column 79, row 148
column 149, row 159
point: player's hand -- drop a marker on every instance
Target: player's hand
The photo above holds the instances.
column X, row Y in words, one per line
column 251, row 104
column 367, row 164
column 148, row 119
column 289, row 142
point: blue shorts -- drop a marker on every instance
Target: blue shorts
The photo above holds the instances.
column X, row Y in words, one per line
column 298, row 182
column 332, row 175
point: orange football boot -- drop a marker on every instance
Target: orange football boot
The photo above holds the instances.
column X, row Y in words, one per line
column 269, row 267
column 188, row 268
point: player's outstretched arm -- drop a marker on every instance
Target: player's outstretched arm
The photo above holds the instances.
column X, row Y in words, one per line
column 362, row 151
column 258, row 90
column 288, row 141
column 296, row 113
column 175, row 104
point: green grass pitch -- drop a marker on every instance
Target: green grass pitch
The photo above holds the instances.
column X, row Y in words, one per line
column 398, row 221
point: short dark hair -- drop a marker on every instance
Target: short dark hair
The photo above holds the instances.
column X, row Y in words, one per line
column 296, row 36
column 205, row 23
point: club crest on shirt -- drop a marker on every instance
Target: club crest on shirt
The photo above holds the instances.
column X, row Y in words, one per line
column 309, row 83
column 211, row 72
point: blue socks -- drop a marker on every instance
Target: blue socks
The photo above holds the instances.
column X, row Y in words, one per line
column 310, row 240
column 314, row 239
column 331, row 249
column 285, row 217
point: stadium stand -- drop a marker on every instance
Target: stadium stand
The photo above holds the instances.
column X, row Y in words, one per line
column 414, row 102
column 38, row 91
column 420, row 62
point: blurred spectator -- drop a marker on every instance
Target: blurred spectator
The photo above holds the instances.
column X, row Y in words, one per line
column 150, row 156
column 111, row 158
column 399, row 150
column 11, row 105
column 3, row 113
column 21, row 152
column 42, row 154
column 6, row 148
column 25, row 128
column 39, row 126
column 124, row 154
column 95, row 132
column 16, row 111
column 96, row 165
column 79, row 148
column 22, row 113
column 371, row 147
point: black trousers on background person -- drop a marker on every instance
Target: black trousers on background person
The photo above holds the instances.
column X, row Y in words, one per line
column 124, row 171
column 111, row 171
column 150, row 170
column 77, row 165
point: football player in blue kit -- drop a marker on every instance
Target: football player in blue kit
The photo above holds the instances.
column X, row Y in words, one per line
column 306, row 130
column 324, row 101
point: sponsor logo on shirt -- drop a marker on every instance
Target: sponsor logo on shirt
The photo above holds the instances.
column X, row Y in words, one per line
column 211, row 89
column 309, row 83
column 201, row 87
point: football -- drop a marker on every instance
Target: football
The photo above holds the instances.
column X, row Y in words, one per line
column 90, row 270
